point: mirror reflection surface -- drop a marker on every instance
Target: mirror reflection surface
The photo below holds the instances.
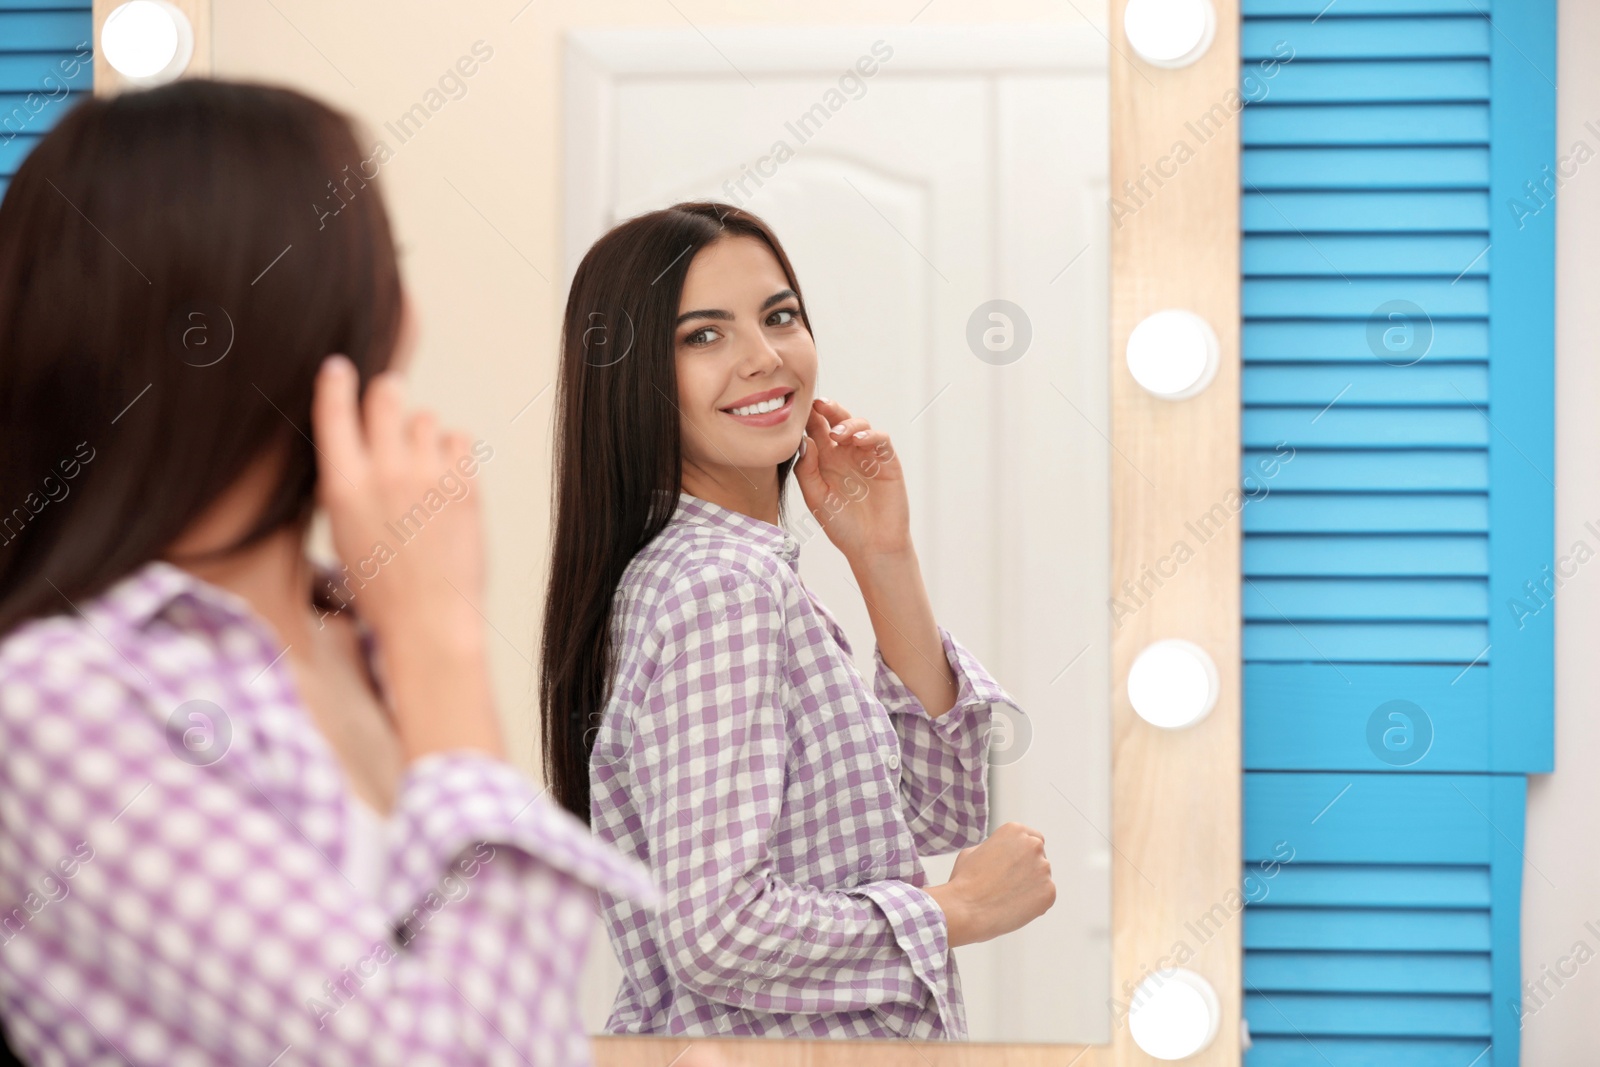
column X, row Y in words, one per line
column 940, row 194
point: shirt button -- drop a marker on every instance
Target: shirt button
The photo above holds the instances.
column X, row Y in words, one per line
column 893, row 760
column 790, row 545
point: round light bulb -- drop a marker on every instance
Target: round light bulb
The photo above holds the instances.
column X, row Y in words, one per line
column 1170, row 33
column 147, row 41
column 1175, row 1014
column 1173, row 684
column 1173, row 354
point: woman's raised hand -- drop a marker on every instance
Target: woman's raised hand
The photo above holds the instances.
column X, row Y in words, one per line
column 851, row 479
column 413, row 562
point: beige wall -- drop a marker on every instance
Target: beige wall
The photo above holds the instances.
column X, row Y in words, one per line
column 475, row 195
column 1561, row 883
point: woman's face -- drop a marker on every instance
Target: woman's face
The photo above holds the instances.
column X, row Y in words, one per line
column 747, row 367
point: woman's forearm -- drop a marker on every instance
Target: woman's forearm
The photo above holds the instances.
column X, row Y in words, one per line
column 902, row 619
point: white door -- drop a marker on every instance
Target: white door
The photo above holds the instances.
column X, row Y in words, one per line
column 968, row 167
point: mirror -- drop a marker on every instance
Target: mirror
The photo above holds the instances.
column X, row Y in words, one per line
column 941, row 191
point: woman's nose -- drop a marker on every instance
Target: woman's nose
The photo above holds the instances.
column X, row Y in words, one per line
column 762, row 358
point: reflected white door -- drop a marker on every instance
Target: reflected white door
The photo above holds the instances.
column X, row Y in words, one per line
column 968, row 167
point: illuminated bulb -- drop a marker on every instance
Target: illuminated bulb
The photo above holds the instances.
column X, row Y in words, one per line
column 1169, row 33
column 1173, row 684
column 1173, row 354
column 1175, row 1014
column 147, row 41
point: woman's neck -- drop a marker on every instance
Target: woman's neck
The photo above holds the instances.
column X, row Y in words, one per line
column 274, row 575
column 749, row 492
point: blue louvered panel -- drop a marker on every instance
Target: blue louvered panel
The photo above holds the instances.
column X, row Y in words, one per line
column 1450, row 211
column 1394, row 505
column 1377, row 905
column 45, row 64
column 1334, row 229
column 1363, row 125
column 1367, row 39
column 1307, row 716
column 1315, row 9
column 1366, row 513
column 1342, row 255
column 1431, row 167
column 1400, row 81
column 1346, row 341
column 1343, row 555
column 1318, row 387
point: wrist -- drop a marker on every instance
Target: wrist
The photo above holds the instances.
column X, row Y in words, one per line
column 440, row 693
column 438, row 639
column 884, row 568
column 951, row 902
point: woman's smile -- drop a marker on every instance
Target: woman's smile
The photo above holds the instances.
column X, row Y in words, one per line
column 770, row 407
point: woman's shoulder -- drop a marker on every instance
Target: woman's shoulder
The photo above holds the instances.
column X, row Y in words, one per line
column 686, row 561
column 120, row 652
column 53, row 651
column 66, row 686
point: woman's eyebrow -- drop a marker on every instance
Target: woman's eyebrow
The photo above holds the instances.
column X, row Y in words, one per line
column 727, row 316
column 778, row 297
column 711, row 313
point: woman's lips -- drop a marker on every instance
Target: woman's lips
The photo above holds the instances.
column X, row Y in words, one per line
column 766, row 418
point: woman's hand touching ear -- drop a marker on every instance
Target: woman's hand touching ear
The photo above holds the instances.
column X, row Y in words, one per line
column 376, row 467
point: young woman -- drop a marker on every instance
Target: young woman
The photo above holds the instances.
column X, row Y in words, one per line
column 250, row 812
column 700, row 705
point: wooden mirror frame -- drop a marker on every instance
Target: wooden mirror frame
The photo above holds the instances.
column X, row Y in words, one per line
column 1175, row 794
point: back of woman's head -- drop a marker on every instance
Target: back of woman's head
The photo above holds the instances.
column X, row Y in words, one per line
column 174, row 265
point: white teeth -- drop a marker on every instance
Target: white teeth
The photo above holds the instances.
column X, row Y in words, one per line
column 759, row 409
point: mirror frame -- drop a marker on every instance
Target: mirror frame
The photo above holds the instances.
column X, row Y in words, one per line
column 1176, row 805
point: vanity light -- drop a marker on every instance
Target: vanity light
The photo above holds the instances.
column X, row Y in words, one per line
column 1175, row 1014
column 1173, row 684
column 1174, row 354
column 148, row 42
column 1170, row 33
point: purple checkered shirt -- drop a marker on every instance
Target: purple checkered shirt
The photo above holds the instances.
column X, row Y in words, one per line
column 781, row 804
column 172, row 835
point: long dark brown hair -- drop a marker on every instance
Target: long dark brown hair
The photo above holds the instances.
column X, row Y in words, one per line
column 174, row 265
column 617, row 463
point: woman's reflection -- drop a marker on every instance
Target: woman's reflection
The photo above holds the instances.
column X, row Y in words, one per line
column 701, row 706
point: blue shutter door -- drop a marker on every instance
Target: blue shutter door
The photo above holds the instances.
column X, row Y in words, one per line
column 45, row 64
column 1399, row 335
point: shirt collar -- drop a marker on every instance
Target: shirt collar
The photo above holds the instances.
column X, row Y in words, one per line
column 696, row 512
column 145, row 593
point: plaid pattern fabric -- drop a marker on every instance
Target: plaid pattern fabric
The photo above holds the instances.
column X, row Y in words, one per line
column 781, row 805
column 172, row 829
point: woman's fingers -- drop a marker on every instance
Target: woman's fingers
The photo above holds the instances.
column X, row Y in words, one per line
column 423, row 438
column 384, row 414
column 874, row 441
column 834, row 413
column 336, row 424
column 844, row 428
column 817, row 425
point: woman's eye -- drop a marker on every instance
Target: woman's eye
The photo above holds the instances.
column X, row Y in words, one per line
column 702, row 336
column 788, row 319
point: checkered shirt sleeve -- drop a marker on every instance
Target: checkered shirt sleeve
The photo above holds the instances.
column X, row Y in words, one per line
column 944, row 780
